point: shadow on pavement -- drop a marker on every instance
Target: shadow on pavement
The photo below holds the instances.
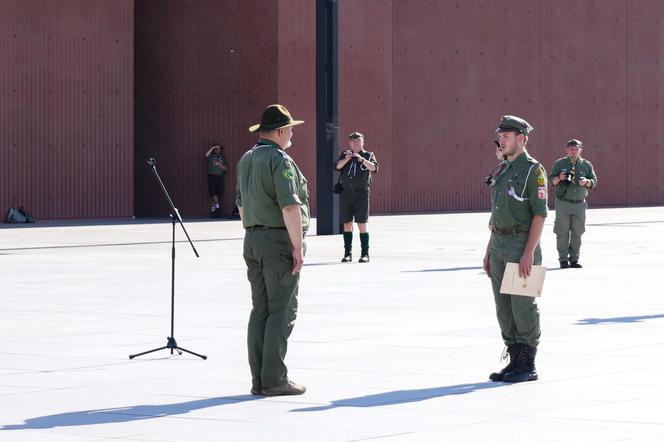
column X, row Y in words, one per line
column 404, row 396
column 449, row 269
column 617, row 320
column 124, row 414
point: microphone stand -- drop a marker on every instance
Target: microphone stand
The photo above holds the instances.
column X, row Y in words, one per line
column 175, row 215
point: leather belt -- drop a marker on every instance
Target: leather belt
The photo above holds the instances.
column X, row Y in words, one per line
column 259, row 227
column 511, row 231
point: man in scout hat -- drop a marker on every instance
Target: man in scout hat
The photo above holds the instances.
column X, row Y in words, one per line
column 355, row 166
column 571, row 176
column 518, row 209
column 273, row 202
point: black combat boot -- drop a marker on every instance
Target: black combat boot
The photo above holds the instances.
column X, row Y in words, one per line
column 525, row 366
column 348, row 255
column 365, row 255
column 513, row 351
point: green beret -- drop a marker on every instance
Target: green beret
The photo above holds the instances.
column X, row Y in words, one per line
column 574, row 142
column 510, row 123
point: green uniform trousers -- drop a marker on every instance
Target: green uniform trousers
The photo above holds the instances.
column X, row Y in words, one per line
column 268, row 254
column 518, row 316
column 569, row 226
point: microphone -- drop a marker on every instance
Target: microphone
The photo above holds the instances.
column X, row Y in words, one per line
column 151, row 161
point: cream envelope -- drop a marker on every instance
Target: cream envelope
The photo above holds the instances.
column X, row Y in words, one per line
column 515, row 285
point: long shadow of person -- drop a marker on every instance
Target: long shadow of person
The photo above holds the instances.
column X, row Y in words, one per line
column 404, row 396
column 123, row 414
column 618, row 319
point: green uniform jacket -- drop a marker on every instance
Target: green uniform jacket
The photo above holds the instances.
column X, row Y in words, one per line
column 571, row 191
column 519, row 193
column 267, row 181
column 212, row 169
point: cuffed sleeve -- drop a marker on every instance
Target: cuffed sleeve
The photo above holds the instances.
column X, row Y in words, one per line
column 285, row 187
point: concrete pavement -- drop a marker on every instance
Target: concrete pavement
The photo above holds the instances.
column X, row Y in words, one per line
column 398, row 349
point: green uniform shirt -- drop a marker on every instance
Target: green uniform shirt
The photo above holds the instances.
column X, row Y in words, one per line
column 519, row 193
column 212, row 169
column 355, row 175
column 267, row 181
column 570, row 190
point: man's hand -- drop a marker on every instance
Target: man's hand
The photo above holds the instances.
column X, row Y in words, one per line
column 358, row 157
column 583, row 181
column 526, row 265
column 486, row 265
column 528, row 257
column 293, row 221
column 298, row 260
column 349, row 154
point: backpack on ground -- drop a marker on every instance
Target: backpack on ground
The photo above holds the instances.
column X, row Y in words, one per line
column 19, row 215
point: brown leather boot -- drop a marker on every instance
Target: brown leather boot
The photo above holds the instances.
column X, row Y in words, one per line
column 290, row 388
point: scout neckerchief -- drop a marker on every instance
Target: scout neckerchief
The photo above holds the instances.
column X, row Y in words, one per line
column 353, row 165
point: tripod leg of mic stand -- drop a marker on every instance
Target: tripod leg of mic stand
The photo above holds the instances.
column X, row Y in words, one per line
column 191, row 352
column 149, row 351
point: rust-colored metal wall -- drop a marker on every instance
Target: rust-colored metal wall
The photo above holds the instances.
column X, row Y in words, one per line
column 297, row 81
column 66, row 114
column 205, row 70
column 427, row 81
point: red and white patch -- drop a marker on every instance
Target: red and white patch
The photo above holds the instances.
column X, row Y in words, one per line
column 541, row 192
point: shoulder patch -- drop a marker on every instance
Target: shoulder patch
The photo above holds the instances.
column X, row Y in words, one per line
column 288, row 174
column 541, row 193
column 540, row 180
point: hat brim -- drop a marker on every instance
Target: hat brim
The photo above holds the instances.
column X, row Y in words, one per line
column 257, row 127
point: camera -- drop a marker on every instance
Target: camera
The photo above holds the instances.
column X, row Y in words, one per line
column 569, row 175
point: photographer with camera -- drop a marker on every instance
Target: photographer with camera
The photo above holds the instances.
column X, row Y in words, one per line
column 216, row 168
column 572, row 176
column 355, row 166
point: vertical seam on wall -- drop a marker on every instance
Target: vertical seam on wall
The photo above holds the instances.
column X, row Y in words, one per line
column 627, row 115
column 540, row 65
column 392, row 107
column 278, row 94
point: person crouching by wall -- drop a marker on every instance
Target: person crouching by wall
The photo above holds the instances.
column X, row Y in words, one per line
column 355, row 166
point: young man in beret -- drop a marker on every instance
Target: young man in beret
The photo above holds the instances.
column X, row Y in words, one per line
column 355, row 166
column 273, row 201
column 518, row 210
column 571, row 176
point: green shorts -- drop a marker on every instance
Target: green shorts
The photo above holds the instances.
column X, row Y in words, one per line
column 354, row 204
